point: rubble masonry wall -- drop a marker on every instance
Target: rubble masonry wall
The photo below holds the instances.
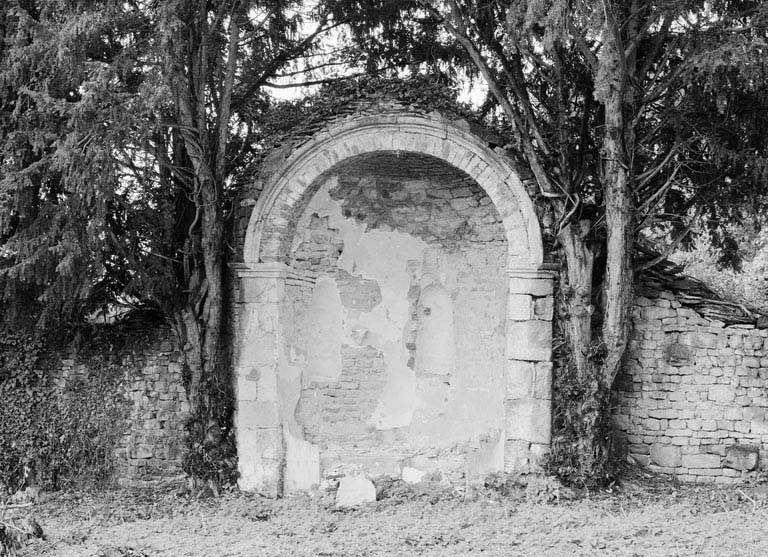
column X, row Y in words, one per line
column 692, row 399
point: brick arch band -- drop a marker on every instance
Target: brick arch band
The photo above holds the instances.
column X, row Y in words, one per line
column 270, row 459
column 271, row 221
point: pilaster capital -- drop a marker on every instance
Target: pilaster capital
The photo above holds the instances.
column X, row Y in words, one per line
column 536, row 282
column 273, row 270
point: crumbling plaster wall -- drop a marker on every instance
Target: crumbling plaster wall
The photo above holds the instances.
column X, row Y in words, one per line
column 692, row 400
column 273, row 287
column 401, row 341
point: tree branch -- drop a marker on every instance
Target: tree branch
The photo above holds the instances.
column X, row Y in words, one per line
column 311, row 82
column 281, row 59
column 226, row 97
column 582, row 45
column 544, row 182
column 670, row 248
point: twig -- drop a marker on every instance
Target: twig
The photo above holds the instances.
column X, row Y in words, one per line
column 754, row 503
column 17, row 505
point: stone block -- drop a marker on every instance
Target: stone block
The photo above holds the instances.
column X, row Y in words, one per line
column 751, row 362
column 543, row 308
column 759, row 427
column 261, row 290
column 698, row 339
column 542, row 383
column 412, row 475
column 652, row 424
column 520, row 379
column 529, row 420
column 517, row 456
column 520, row 307
column 659, row 312
column 141, row 452
column 302, row 464
column 247, row 385
column 529, row 340
column 666, row 455
column 354, row 491
column 538, row 455
column 679, row 355
column 721, row 393
column 741, row 457
column 702, row 461
column 254, row 415
column 259, row 460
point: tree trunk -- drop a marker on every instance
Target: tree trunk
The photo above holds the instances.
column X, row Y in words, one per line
column 603, row 364
column 576, row 291
column 212, row 234
column 202, row 81
column 617, row 195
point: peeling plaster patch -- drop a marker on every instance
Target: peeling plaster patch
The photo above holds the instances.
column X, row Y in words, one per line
column 398, row 400
column 423, row 325
column 363, row 256
column 324, row 332
column 302, row 458
column 435, row 336
column 358, row 293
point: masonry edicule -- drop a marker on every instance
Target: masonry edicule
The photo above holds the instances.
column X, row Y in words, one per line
column 393, row 311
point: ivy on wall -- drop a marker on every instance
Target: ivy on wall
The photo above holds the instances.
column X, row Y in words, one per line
column 60, row 430
column 580, row 411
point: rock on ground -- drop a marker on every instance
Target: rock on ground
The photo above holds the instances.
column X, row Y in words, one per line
column 355, row 490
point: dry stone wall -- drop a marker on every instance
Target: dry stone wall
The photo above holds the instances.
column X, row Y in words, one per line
column 150, row 447
column 692, row 400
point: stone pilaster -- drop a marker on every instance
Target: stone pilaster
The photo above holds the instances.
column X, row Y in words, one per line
column 528, row 401
column 257, row 423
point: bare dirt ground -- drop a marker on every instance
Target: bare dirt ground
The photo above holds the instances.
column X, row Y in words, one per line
column 648, row 516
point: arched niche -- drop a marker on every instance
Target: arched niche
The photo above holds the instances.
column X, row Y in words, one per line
column 273, row 455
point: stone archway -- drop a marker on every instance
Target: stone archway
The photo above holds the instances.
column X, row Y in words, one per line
column 266, row 394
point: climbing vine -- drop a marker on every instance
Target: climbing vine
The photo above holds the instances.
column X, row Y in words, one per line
column 59, row 430
column 580, row 412
column 288, row 122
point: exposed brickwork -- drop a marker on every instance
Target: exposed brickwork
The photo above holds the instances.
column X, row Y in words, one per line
column 335, row 414
column 276, row 212
column 693, row 395
column 460, row 234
